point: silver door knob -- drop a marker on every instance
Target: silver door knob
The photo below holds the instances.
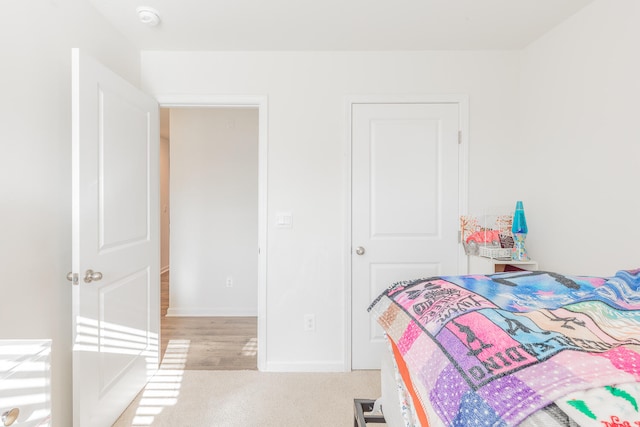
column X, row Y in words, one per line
column 91, row 276
column 10, row 416
column 360, row 250
column 72, row 277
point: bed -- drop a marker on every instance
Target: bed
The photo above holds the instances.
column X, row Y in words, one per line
column 528, row 348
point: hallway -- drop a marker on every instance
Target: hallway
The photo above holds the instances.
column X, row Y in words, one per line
column 214, row 343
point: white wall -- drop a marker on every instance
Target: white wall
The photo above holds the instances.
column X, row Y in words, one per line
column 214, row 211
column 307, row 161
column 580, row 145
column 36, row 38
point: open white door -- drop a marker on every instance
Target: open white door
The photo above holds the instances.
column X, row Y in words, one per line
column 116, row 318
column 405, row 206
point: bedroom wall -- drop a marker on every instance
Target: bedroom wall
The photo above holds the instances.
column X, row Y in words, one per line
column 580, row 142
column 307, row 161
column 36, row 38
column 214, row 212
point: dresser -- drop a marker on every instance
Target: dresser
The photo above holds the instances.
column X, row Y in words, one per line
column 25, row 383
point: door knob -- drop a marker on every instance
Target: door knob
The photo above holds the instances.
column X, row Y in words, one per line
column 72, row 277
column 10, row 416
column 360, row 250
column 91, row 276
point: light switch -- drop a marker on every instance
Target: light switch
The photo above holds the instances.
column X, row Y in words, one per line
column 284, row 220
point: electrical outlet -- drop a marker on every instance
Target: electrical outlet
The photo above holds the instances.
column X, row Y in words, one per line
column 309, row 322
column 229, row 282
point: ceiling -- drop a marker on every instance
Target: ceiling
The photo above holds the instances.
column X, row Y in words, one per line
column 252, row 25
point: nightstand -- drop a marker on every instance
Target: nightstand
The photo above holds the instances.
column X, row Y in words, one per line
column 482, row 265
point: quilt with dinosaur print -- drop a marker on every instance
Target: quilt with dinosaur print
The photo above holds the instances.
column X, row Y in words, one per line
column 494, row 350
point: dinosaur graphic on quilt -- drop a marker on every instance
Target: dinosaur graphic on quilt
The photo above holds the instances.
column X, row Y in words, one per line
column 494, row 349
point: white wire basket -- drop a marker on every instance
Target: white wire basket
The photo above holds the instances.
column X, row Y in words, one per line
column 494, row 253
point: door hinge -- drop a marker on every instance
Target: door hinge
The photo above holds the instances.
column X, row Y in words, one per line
column 459, row 137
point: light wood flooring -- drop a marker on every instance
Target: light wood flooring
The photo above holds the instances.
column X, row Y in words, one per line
column 210, row 343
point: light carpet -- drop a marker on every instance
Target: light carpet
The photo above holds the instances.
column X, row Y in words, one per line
column 250, row 398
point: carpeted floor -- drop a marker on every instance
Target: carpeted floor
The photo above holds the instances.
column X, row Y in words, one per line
column 250, row 398
column 184, row 394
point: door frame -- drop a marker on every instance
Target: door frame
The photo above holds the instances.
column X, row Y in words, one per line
column 243, row 101
column 462, row 100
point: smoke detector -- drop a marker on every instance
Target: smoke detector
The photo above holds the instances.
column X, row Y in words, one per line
column 148, row 16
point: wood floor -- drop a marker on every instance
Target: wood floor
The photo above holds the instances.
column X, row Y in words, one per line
column 208, row 343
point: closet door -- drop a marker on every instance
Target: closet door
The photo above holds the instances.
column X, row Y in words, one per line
column 405, row 206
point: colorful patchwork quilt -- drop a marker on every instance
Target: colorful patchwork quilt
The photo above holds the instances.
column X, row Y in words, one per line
column 495, row 350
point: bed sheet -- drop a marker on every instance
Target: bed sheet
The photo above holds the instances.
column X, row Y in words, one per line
column 395, row 399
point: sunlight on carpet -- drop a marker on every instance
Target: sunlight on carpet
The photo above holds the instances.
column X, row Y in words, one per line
column 163, row 389
column 246, row 398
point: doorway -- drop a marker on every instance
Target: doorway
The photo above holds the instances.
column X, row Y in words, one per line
column 217, row 224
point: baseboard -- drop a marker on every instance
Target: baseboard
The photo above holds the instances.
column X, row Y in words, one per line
column 211, row 312
column 314, row 366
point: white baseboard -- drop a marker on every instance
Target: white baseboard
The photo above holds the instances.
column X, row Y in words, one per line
column 314, row 366
column 211, row 312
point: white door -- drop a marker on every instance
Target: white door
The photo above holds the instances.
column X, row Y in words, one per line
column 405, row 206
column 115, row 224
